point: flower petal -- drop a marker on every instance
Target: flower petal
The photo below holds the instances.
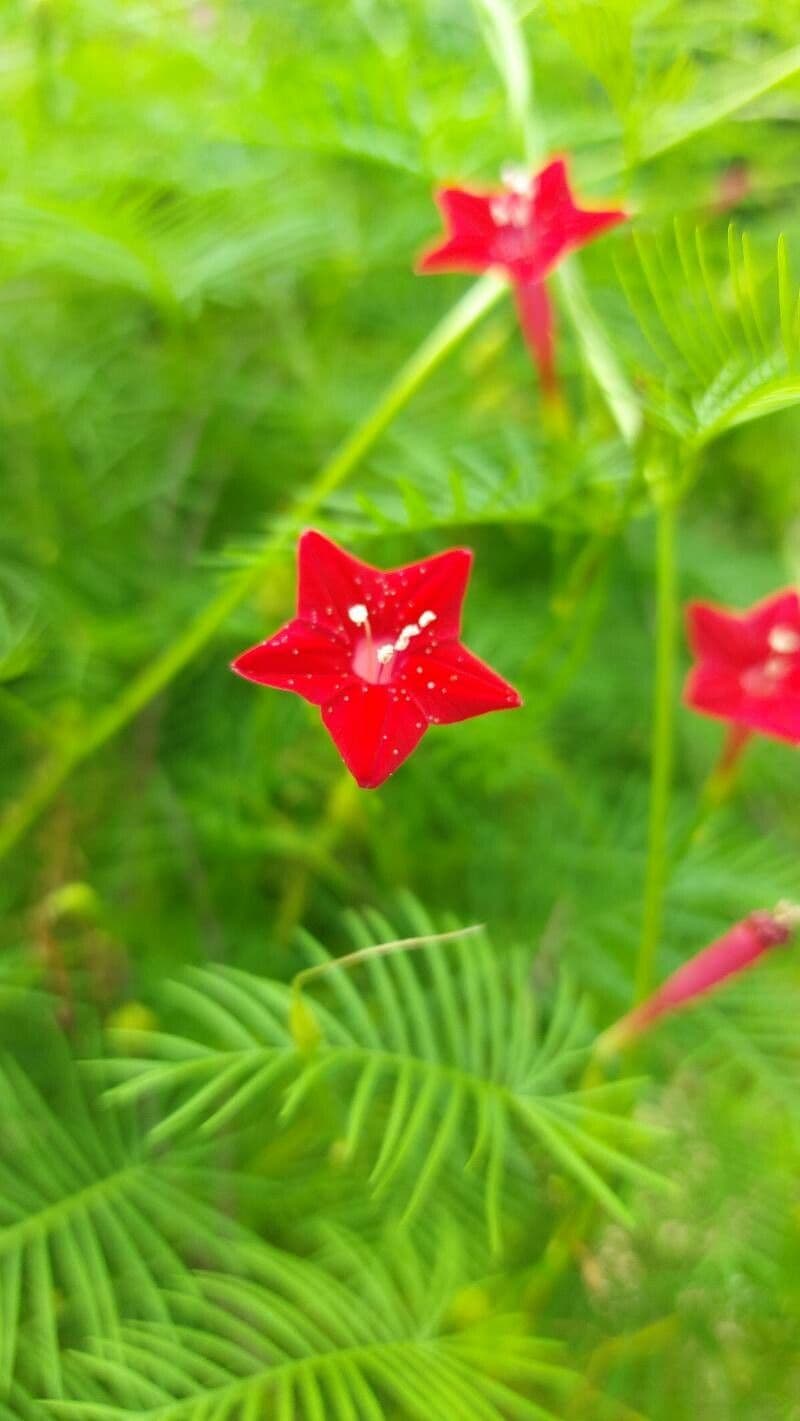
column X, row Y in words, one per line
column 450, row 684
column 330, row 582
column 782, row 610
column 562, row 225
column 374, row 728
column 552, row 195
column 719, row 691
column 718, row 635
column 436, row 585
column 470, row 231
column 298, row 658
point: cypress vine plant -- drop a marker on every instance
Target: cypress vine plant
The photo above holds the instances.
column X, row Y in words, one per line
column 275, row 1139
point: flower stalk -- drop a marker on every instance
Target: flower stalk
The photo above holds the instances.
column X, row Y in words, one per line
column 663, row 738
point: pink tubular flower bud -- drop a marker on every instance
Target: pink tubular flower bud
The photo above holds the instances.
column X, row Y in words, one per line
column 736, row 951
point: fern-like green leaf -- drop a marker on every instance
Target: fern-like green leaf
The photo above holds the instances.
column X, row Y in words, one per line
column 90, row 1225
column 461, row 1072
column 723, row 341
column 351, row 1334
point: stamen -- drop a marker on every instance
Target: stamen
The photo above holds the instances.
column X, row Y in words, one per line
column 516, row 178
column 358, row 614
column 426, row 619
column 385, row 654
column 784, row 640
column 500, row 210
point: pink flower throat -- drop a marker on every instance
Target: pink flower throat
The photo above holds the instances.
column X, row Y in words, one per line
column 374, row 660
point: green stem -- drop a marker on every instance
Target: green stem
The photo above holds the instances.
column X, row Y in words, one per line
column 164, row 668
column 717, row 789
column 663, row 727
column 598, row 352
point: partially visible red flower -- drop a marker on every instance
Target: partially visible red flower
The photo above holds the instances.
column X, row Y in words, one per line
column 748, row 665
column 524, row 228
column 738, row 950
column 379, row 653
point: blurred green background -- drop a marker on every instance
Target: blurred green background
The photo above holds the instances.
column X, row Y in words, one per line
column 209, row 215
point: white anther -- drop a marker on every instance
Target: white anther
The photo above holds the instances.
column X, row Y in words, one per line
column 514, row 207
column 784, row 640
column 516, row 178
column 412, row 630
column 401, row 644
column 385, row 654
column 358, row 614
column 426, row 619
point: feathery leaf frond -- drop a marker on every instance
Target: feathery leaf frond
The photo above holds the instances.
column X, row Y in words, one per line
column 90, row 1225
column 352, row 1334
column 443, row 1057
column 724, row 345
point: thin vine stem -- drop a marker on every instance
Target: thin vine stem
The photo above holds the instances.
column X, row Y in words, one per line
column 163, row 669
column 663, row 743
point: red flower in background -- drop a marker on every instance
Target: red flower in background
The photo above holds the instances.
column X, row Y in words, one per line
column 748, row 666
column 379, row 653
column 524, row 228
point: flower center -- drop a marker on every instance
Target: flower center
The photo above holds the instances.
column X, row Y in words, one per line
column 766, row 678
column 511, row 209
column 514, row 207
column 375, row 659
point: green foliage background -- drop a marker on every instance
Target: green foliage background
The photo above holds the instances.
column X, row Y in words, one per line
column 220, row 1201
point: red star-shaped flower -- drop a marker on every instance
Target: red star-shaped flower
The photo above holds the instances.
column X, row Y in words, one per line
column 379, row 653
column 524, row 228
column 748, row 665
